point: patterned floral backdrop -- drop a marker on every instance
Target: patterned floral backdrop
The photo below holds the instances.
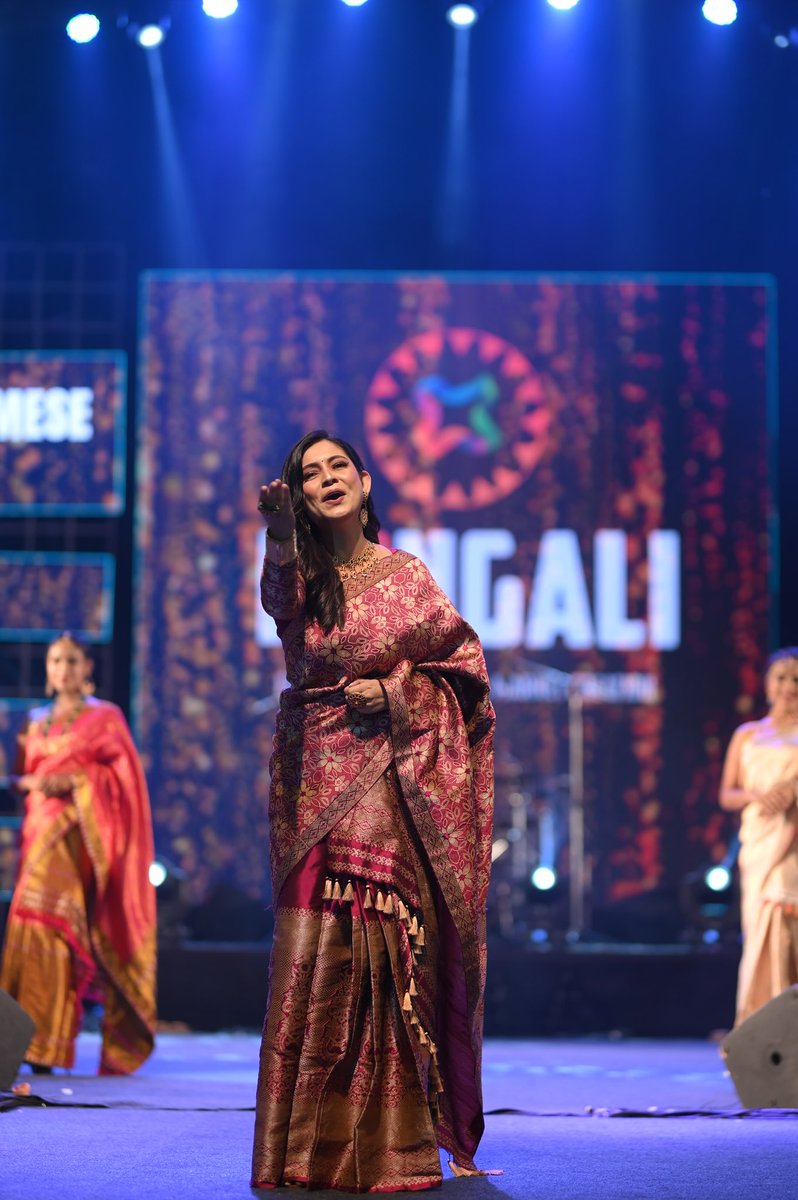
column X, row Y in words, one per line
column 509, row 420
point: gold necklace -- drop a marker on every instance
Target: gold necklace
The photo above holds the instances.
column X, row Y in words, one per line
column 359, row 562
column 68, row 721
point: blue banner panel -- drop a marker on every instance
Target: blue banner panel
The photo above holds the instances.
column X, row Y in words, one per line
column 13, row 715
column 582, row 461
column 47, row 591
column 62, row 433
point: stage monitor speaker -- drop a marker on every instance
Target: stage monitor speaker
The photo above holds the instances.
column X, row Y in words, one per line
column 762, row 1054
column 16, row 1031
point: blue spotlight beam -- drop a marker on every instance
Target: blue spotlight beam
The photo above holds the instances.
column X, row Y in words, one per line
column 83, row 27
column 720, row 12
column 462, row 16
column 219, row 9
column 150, row 36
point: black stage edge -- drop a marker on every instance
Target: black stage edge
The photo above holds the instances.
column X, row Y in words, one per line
column 576, row 990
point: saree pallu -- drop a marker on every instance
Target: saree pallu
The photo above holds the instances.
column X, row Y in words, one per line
column 768, row 865
column 380, row 841
column 83, row 910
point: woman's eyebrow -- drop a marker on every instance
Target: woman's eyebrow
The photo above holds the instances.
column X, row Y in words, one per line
column 307, row 466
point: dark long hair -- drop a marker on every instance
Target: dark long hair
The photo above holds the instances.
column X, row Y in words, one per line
column 324, row 592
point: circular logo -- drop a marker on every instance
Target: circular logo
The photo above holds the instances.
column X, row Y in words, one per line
column 456, row 419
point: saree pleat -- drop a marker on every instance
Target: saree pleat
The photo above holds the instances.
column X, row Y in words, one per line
column 344, row 1090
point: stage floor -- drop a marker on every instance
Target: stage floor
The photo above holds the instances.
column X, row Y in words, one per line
column 596, row 1118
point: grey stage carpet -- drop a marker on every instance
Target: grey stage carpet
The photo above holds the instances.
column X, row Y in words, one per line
column 557, row 1124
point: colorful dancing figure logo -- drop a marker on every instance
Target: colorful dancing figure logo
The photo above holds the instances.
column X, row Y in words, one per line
column 456, row 419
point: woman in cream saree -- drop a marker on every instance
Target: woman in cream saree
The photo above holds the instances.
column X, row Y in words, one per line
column 760, row 780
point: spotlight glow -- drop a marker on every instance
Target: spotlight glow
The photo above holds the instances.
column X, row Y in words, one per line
column 157, row 873
column 543, row 878
column 499, row 847
column 150, row 36
column 781, row 41
column 718, row 878
column 354, row 3
column 563, row 5
column 462, row 16
column 219, row 9
column 83, row 28
column 720, row 12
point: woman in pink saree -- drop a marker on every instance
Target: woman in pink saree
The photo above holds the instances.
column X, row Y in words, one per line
column 83, row 911
column 760, row 781
column 380, row 812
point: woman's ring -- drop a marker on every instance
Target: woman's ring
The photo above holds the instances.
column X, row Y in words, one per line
column 270, row 508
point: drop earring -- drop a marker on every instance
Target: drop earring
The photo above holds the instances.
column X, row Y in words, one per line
column 364, row 512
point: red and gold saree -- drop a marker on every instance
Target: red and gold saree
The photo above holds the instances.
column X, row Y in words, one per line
column 380, row 846
column 83, row 910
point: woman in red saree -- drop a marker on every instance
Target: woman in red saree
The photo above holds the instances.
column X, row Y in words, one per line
column 380, row 813
column 83, row 910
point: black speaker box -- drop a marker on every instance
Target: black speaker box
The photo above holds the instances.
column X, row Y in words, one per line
column 762, row 1054
column 16, row 1031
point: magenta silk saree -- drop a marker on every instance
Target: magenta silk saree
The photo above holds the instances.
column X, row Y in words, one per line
column 380, row 846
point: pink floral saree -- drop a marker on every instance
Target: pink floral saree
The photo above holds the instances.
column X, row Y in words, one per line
column 380, row 845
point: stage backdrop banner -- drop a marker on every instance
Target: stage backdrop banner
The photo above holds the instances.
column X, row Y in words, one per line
column 581, row 461
column 47, row 591
column 62, row 433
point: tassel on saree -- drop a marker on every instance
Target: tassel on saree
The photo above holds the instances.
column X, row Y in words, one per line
column 368, row 902
column 328, row 890
column 336, row 895
column 349, row 893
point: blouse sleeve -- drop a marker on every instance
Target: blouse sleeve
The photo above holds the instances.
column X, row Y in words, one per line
column 282, row 587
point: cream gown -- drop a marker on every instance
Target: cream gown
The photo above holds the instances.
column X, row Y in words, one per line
column 768, row 863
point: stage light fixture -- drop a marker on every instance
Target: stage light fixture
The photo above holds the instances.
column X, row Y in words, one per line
column 563, row 5
column 718, row 878
column 150, row 36
column 83, row 27
column 219, row 9
column 157, row 873
column 499, row 847
column 720, row 12
column 462, row 16
column 543, row 878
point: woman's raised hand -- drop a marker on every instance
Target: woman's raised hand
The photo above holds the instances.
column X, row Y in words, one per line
column 275, row 504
